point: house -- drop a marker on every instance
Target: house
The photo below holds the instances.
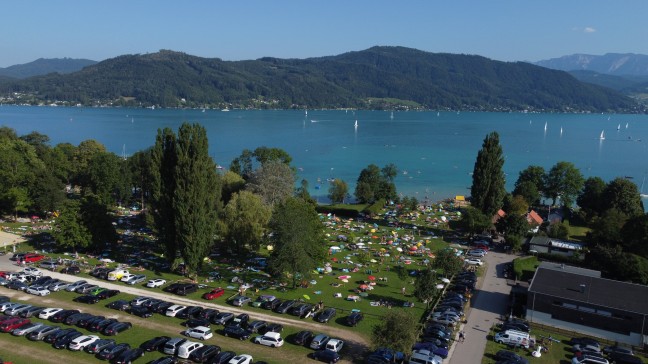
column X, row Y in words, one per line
column 498, row 215
column 547, row 245
column 460, row 201
column 580, row 300
column 533, row 218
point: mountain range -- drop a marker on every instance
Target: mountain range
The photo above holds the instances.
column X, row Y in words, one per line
column 43, row 66
column 375, row 78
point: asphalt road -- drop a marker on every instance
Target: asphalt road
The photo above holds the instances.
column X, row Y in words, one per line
column 487, row 306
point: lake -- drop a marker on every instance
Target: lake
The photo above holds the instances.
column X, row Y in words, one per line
column 434, row 152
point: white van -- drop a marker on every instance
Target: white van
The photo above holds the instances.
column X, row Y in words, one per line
column 424, row 357
column 513, row 337
column 117, row 274
column 187, row 348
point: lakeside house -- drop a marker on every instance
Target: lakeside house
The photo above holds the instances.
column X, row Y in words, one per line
column 578, row 299
column 547, row 245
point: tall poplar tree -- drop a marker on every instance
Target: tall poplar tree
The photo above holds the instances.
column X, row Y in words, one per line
column 163, row 162
column 487, row 189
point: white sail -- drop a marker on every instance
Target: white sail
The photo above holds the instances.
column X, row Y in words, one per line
column 356, row 124
column 602, row 137
column 545, row 126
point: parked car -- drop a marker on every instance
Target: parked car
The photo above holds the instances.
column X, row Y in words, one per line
column 17, row 285
column 33, row 311
column 155, row 343
column 200, row 332
column 187, row 348
column 86, row 288
column 223, row 357
column 41, row 332
column 301, row 310
column 89, row 320
column 271, row 339
column 186, row 288
column 188, row 312
column 271, row 305
column 139, row 300
column 285, row 306
column 354, row 318
column 140, row 311
column 205, row 353
column 82, row 341
column 49, row 312
column 116, row 328
column 154, row 283
column 589, row 359
column 173, row 310
column 327, row 356
column 73, row 269
column 64, row 341
column 237, row 332
column 171, row 346
column 241, row 359
column 319, row 341
column 75, row 318
column 473, row 261
column 49, row 264
column 121, row 305
column 195, row 322
column 98, row 345
column 128, row 356
column 52, row 337
column 58, row 286
column 334, row 345
column 26, row 329
column 87, row 299
column 208, row 314
column 108, row 293
column 617, row 349
column 112, row 351
column 213, row 294
column 326, row 315
column 274, row 327
column 172, row 288
column 509, row 356
column 222, row 318
column 621, row 358
column 17, row 309
column 165, row 360
column 257, row 326
column 584, row 341
column 240, row 300
column 162, row 307
column 99, row 326
column 303, row 337
column 73, row 286
column 33, row 257
column 135, row 279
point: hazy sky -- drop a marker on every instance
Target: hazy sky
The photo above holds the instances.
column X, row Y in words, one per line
column 507, row 30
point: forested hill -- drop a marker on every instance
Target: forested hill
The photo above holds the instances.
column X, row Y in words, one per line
column 376, row 78
column 43, row 66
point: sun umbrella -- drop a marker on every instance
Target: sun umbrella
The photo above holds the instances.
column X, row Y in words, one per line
column 345, row 280
column 344, row 277
column 363, row 286
column 307, row 297
column 373, row 261
column 439, row 286
column 399, row 249
column 445, row 280
column 371, row 278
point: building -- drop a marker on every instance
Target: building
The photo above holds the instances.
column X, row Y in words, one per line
column 533, row 218
column 580, row 300
column 547, row 245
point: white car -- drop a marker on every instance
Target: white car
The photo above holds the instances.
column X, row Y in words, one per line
column 139, row 278
column 187, row 348
column 38, row 291
column 82, row 341
column 31, row 271
column 334, row 345
column 479, row 253
column 272, row 339
column 199, row 332
column 241, row 359
column 7, row 306
column 473, row 261
column 154, row 283
column 48, row 312
column 126, row 277
column 173, row 310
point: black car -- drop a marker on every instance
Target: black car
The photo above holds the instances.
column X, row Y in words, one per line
column 165, row 360
column 172, row 288
column 116, row 328
column 100, row 272
column 84, row 322
column 326, row 315
column 107, row 294
column 194, row 322
column 584, row 341
column 205, row 353
column 120, row 305
column 622, row 358
column 240, row 320
column 237, row 332
column 354, row 318
column 98, row 345
column 128, row 356
column 155, row 343
column 4, row 299
column 191, row 311
column 88, row 299
column 98, row 326
column 222, row 318
column 285, row 306
column 140, row 311
column 271, row 305
column 51, row 338
column 17, row 285
column 272, row 327
column 73, row 269
column 303, row 337
column 62, row 342
column 510, row 357
column 512, row 326
column 186, row 288
column 328, row 356
column 112, row 351
column 74, row 319
column 300, row 310
column 163, row 306
column 62, row 315
column 208, row 313
column 223, row 358
column 257, row 326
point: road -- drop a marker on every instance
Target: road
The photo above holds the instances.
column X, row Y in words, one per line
column 487, row 306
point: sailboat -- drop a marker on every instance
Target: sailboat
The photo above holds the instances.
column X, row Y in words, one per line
column 305, row 112
column 641, row 193
column 356, row 124
column 561, row 131
column 123, row 156
column 392, row 115
column 438, row 113
column 602, row 137
column 545, row 126
column 619, row 127
column 626, row 125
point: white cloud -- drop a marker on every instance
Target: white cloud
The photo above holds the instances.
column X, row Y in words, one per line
column 589, row 30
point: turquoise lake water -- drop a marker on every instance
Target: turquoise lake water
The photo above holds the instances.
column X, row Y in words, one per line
column 434, row 152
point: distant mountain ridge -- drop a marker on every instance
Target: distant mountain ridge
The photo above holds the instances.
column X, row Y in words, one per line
column 375, row 78
column 619, row 64
column 43, row 66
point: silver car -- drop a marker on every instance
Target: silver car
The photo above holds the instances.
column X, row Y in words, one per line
column 40, row 333
column 15, row 310
column 73, row 286
column 26, row 329
column 58, row 286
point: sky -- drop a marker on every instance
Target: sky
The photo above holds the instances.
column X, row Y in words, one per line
column 506, row 30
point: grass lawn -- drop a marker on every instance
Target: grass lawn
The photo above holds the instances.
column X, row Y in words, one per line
column 558, row 353
column 578, row 233
column 525, row 267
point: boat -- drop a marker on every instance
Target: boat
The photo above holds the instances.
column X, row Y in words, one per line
column 392, row 115
column 306, row 112
column 438, row 113
column 545, row 126
column 356, row 124
column 225, row 109
column 313, row 121
column 626, row 125
column 619, row 127
column 561, row 131
column 602, row 137
column 641, row 193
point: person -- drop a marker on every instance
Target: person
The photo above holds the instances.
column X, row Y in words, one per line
column 462, row 336
column 403, row 290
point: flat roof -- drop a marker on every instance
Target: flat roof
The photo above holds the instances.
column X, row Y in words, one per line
column 568, row 284
column 571, row 269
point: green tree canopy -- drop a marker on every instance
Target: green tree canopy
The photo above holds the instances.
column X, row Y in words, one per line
column 232, row 183
column 396, row 330
column 163, row 163
column 374, row 184
column 474, row 221
column 245, row 220
column 68, row 229
column 95, row 217
column 425, row 286
column 338, row 191
column 298, row 237
column 590, row 199
column 623, row 195
column 448, row 261
column 487, row 190
column 274, row 181
column 564, row 180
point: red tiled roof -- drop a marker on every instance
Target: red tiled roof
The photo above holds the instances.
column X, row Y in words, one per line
column 534, row 218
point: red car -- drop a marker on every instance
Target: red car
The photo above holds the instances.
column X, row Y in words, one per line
column 214, row 293
column 33, row 257
column 10, row 325
column 481, row 246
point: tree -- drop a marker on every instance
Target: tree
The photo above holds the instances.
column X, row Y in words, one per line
column 447, row 260
column 635, row 235
column 47, row 192
column 163, row 163
column 103, row 176
column 518, row 206
column 298, row 238
column 474, row 221
column 245, row 220
column 528, row 191
column 425, row 286
column 606, row 230
column 96, row 219
column 338, row 191
column 17, row 198
column 264, row 154
column 564, row 180
column 487, row 190
column 196, row 195
column 558, row 230
column 532, row 175
column 68, row 230
column 623, row 195
column 140, row 165
column 375, row 184
column 590, row 199
column 512, row 225
column 232, row 183
column 397, row 330
column 302, row 192
column 242, row 165
column 274, row 181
